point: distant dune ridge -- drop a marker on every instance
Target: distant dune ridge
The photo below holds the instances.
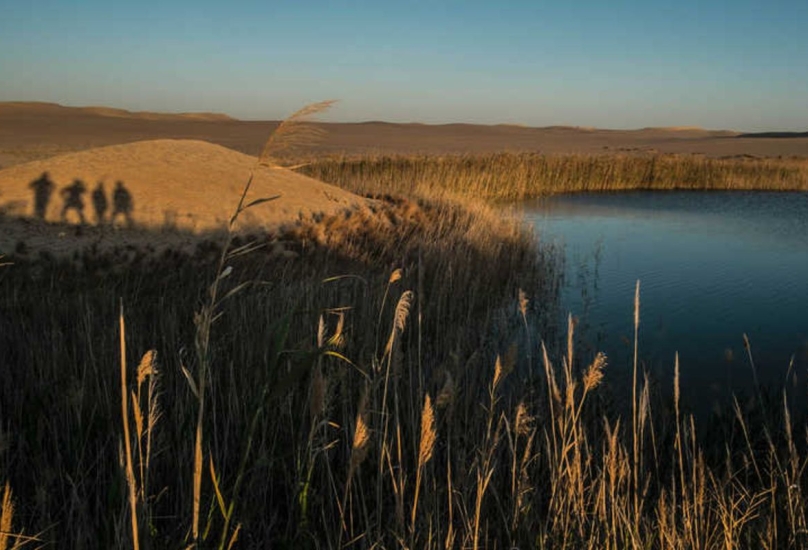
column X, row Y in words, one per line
column 37, row 108
column 186, row 184
column 33, row 131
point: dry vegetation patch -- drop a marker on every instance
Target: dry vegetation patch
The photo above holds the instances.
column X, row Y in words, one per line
column 519, row 176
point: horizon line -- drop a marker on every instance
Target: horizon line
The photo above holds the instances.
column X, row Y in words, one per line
column 112, row 112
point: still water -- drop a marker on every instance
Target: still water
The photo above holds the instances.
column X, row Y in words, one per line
column 712, row 266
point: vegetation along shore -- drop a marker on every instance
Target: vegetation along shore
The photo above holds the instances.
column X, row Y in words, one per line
column 518, row 176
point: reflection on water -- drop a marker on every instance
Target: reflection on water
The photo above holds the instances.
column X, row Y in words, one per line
column 712, row 267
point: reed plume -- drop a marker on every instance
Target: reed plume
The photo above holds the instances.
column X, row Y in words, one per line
column 358, row 454
column 594, row 374
column 400, row 318
column 361, row 438
column 425, row 449
column 293, row 134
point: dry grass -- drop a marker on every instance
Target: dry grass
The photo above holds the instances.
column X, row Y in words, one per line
column 290, row 286
column 519, row 176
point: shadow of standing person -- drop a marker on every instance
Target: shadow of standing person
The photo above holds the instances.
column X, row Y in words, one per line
column 43, row 187
column 100, row 203
column 121, row 204
column 73, row 201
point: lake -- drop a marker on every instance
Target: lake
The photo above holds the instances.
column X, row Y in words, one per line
column 712, row 266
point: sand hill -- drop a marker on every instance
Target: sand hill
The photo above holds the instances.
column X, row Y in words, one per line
column 42, row 109
column 185, row 184
column 35, row 131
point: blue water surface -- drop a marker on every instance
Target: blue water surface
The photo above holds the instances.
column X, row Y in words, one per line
column 712, row 266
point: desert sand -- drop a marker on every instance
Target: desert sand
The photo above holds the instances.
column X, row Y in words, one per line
column 188, row 187
column 30, row 131
column 184, row 184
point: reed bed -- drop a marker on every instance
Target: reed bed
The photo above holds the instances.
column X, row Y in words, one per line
column 343, row 413
column 519, row 176
column 308, row 328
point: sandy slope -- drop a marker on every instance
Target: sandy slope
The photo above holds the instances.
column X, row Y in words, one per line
column 187, row 184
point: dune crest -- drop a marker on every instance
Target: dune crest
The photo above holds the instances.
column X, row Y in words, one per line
column 41, row 108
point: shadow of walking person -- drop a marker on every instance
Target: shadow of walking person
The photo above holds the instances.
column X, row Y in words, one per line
column 43, row 187
column 72, row 199
column 100, row 203
column 121, row 204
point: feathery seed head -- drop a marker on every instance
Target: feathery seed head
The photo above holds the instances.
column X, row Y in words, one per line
column 594, row 374
column 400, row 320
column 293, row 134
column 147, row 366
column 359, row 448
column 428, row 433
column 360, row 442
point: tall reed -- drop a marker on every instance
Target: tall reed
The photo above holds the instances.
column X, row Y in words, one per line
column 519, row 176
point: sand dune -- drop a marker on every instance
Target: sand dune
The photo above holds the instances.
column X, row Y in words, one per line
column 187, row 184
column 32, row 131
column 42, row 109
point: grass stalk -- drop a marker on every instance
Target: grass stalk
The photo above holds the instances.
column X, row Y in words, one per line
column 131, row 483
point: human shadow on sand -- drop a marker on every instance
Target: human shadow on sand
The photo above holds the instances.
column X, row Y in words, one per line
column 122, row 204
column 100, row 204
column 73, row 202
column 43, row 188
column 72, row 196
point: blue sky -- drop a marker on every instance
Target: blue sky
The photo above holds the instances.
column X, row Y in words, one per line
column 725, row 64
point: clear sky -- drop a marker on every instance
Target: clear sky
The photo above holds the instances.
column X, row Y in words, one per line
column 727, row 64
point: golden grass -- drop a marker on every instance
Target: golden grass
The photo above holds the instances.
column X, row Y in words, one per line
column 425, row 449
column 519, row 176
